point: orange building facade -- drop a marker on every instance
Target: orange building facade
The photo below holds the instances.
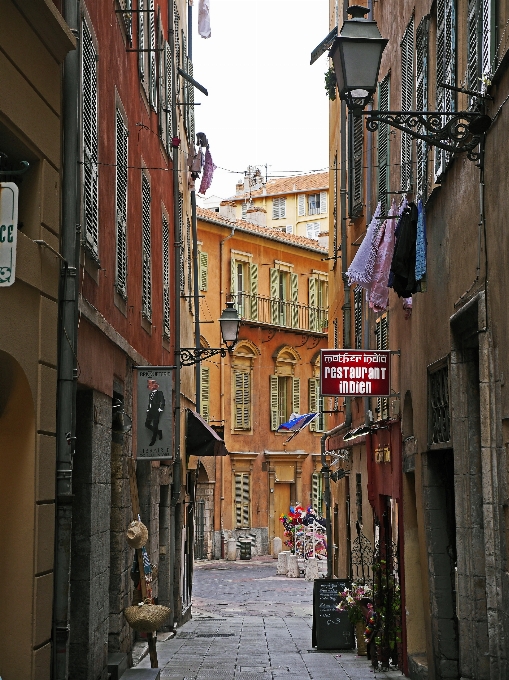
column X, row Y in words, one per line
column 279, row 283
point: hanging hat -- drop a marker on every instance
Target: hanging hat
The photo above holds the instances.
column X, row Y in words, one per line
column 137, row 534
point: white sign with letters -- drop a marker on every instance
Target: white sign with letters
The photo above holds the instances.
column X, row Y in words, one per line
column 8, row 232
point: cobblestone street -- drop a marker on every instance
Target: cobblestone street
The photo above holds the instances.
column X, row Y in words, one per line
column 250, row 624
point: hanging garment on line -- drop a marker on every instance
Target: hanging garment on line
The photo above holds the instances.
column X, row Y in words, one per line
column 204, row 19
column 378, row 295
column 208, row 172
column 420, row 246
column 403, row 262
column 360, row 270
column 401, row 210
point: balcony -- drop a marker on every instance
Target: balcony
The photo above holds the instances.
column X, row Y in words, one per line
column 266, row 311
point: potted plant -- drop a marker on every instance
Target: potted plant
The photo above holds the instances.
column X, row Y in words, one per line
column 352, row 600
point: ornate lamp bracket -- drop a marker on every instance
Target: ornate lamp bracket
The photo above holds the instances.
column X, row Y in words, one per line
column 191, row 355
column 453, row 131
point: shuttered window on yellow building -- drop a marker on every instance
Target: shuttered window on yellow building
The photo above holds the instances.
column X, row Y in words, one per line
column 241, row 400
column 242, row 500
column 205, row 393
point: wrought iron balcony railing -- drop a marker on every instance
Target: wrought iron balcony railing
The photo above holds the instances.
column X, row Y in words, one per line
column 283, row 313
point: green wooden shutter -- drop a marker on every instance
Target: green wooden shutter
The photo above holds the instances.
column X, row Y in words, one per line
column 294, row 288
column 312, row 402
column 242, row 499
column 407, row 95
column 421, row 102
column 316, row 493
column 204, row 273
column 242, row 400
column 313, row 311
column 169, row 94
column 383, row 143
column 445, row 70
column 205, row 393
column 253, row 271
column 296, row 395
column 274, row 424
column 274, row 278
column 233, row 282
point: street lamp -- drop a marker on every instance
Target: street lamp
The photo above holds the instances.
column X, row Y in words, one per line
column 229, row 322
column 356, row 54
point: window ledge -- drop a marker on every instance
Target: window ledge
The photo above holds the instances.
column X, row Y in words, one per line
column 120, row 302
column 146, row 324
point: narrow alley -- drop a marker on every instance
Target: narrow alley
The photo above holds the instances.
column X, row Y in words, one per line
column 250, row 624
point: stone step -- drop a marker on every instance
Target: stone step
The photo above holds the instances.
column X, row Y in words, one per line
column 117, row 665
column 142, row 674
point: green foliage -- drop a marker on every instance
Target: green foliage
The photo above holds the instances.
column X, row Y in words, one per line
column 330, row 83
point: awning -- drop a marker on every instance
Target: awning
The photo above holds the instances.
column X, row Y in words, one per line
column 201, row 439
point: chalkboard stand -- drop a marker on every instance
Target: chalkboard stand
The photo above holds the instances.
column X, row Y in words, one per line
column 332, row 629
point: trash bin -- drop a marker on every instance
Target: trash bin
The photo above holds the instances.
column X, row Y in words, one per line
column 245, row 549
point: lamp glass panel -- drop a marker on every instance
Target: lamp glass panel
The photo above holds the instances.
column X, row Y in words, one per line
column 361, row 64
column 229, row 329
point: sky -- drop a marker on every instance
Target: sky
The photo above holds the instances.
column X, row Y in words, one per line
column 266, row 104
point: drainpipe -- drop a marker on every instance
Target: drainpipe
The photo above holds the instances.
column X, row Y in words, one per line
column 67, row 349
column 369, row 181
column 347, row 307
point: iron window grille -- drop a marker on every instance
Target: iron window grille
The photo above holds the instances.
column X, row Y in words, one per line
column 439, row 418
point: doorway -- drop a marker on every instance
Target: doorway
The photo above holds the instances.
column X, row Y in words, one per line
column 282, row 495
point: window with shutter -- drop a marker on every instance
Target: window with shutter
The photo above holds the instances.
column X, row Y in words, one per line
column 407, row 97
column 204, row 271
column 152, row 56
column 323, row 202
column 421, row 97
column 312, row 229
column 242, row 400
column 313, row 204
column 146, row 297
column 233, row 277
column 278, row 208
column 357, row 305
column 313, row 303
column 445, row 71
column 274, row 295
column 127, row 18
column 161, row 85
column 168, row 71
column 488, row 43
column 382, row 342
column 302, row 205
column 274, row 402
column 121, row 204
column 142, row 44
column 182, row 246
column 205, row 393
column 316, row 493
column 383, row 151
column 166, row 277
column 90, row 141
column 190, row 108
column 242, row 500
column 480, row 44
column 356, row 144
column 313, row 402
column 335, row 208
column 294, row 294
column 176, row 37
column 253, row 272
column 189, row 266
column 296, row 395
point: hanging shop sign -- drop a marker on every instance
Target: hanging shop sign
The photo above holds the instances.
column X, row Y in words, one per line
column 8, row 232
column 355, row 373
column 154, row 413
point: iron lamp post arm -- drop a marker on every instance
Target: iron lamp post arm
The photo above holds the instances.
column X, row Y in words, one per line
column 189, row 356
column 453, row 135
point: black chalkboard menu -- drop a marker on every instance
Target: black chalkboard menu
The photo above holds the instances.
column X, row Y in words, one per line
column 331, row 628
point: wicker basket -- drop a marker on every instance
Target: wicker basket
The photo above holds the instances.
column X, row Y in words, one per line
column 146, row 617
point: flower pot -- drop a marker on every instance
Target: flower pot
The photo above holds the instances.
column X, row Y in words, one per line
column 361, row 641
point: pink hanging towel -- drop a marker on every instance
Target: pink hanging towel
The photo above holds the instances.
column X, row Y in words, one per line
column 208, row 173
column 204, row 19
column 379, row 291
column 360, row 270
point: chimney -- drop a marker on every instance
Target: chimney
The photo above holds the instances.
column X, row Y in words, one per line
column 256, row 216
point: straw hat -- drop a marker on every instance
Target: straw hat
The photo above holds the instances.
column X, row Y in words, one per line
column 137, row 534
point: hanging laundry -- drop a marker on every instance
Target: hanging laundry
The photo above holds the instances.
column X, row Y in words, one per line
column 420, row 247
column 204, row 19
column 378, row 296
column 208, row 172
column 407, row 306
column 401, row 210
column 360, row 270
column 403, row 261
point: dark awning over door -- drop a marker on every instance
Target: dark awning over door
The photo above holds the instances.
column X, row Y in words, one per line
column 201, row 440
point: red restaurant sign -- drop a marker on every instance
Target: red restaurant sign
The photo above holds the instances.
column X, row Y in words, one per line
column 355, row 373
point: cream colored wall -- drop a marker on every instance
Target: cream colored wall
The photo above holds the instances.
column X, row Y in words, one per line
column 298, row 222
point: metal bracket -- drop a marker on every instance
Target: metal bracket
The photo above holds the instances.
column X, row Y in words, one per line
column 455, row 135
column 189, row 356
column 193, row 82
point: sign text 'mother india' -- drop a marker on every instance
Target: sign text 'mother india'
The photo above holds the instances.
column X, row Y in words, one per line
column 353, row 373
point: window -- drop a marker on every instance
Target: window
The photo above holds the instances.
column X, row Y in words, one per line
column 382, row 342
column 480, row 44
column 356, row 142
column 383, row 144
column 204, row 271
column 313, row 204
column 205, row 393
column 242, row 399
column 152, row 56
column 318, row 302
column 244, row 287
column 168, row 71
column 242, row 500
column 90, row 141
column 127, row 18
column 284, row 294
column 312, row 229
column 278, row 208
column 142, row 42
column 189, row 266
column 335, row 209
column 289, row 229
column 357, row 306
column 317, row 493
column 284, row 399
column 301, row 205
column 316, row 405
column 421, row 96
column 182, row 246
column 146, row 295
column 446, row 70
column 176, row 33
column 439, row 418
column 166, row 277
column 244, row 211
column 407, row 97
column 161, row 85
column 121, row 204
column 358, row 496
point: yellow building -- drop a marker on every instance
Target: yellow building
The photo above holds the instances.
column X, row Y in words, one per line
column 296, row 205
column 34, row 41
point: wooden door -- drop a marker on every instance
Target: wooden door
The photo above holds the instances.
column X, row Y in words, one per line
column 281, row 507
